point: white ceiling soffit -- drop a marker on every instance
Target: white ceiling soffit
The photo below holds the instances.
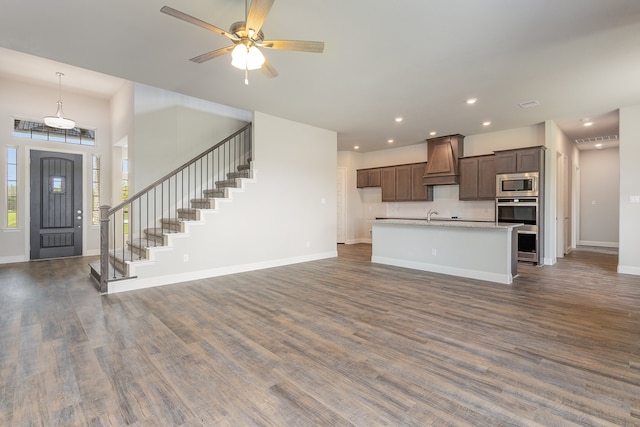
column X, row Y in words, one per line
column 417, row 59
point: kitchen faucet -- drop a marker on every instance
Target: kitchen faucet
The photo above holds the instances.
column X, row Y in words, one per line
column 430, row 213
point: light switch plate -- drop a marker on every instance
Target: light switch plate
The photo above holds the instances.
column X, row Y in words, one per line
column 634, row 199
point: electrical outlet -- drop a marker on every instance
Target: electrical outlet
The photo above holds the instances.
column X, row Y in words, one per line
column 434, row 252
column 185, row 257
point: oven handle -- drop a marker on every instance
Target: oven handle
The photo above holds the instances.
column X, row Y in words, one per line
column 527, row 232
column 517, row 204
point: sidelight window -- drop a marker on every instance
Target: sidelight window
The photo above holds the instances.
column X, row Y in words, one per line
column 12, row 187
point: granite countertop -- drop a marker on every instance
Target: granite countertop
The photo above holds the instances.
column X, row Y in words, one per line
column 446, row 223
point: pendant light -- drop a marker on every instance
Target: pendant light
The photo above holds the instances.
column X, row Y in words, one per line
column 59, row 121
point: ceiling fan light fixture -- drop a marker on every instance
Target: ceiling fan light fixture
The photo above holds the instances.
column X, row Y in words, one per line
column 247, row 58
column 58, row 121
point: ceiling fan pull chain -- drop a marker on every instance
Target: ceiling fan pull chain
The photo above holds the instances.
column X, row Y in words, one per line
column 246, row 76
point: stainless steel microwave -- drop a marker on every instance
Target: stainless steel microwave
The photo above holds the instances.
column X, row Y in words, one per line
column 517, row 184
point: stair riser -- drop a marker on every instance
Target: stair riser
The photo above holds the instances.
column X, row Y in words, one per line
column 139, row 251
column 218, row 193
column 155, row 234
column 201, row 205
column 229, row 183
column 171, row 226
column 238, row 174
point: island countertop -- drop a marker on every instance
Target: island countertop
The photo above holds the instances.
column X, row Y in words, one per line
column 447, row 223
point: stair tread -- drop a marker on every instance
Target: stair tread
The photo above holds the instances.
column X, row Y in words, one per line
column 122, row 255
column 142, row 242
column 159, row 232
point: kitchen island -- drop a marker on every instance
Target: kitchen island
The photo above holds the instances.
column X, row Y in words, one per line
column 477, row 250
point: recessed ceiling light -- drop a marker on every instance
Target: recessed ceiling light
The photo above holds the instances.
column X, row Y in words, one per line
column 356, row 147
column 472, row 100
column 598, row 145
column 432, row 133
column 588, row 123
column 390, row 141
column 487, row 123
column 398, row 119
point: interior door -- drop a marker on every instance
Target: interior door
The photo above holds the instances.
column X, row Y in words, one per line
column 56, row 204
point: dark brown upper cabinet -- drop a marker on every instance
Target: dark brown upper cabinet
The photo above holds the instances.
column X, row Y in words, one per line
column 519, row 160
column 368, row 178
column 478, row 178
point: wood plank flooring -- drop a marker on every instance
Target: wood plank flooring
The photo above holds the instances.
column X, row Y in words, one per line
column 336, row 342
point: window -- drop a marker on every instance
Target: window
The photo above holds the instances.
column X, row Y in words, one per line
column 35, row 130
column 12, row 187
column 95, row 190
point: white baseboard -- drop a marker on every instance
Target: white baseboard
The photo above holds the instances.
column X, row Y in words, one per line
column 12, row 259
column 628, row 269
column 597, row 243
column 506, row 279
column 356, row 241
column 150, row 282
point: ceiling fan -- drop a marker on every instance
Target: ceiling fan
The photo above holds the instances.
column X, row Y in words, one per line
column 247, row 37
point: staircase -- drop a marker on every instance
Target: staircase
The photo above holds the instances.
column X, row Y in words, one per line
column 150, row 220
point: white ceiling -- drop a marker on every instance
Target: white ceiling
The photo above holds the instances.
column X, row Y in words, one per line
column 417, row 59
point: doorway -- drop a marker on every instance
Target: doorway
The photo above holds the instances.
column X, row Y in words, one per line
column 56, row 205
column 341, row 201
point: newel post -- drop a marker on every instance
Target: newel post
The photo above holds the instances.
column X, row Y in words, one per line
column 104, row 248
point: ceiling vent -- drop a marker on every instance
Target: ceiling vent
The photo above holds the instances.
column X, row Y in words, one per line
column 529, row 104
column 597, row 139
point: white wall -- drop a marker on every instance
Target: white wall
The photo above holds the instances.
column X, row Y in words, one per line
column 487, row 143
column 295, row 212
column 629, row 252
column 558, row 147
column 285, row 214
column 600, row 197
column 171, row 129
column 122, row 124
column 365, row 204
column 27, row 101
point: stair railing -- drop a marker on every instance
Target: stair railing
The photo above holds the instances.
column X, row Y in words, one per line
column 159, row 207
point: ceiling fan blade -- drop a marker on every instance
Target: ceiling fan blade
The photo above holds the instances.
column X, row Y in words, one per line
column 257, row 14
column 213, row 54
column 297, row 45
column 268, row 70
column 195, row 21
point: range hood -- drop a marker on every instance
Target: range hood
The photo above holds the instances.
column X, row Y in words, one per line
column 442, row 160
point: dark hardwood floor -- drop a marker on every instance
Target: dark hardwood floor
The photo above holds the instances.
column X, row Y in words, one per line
column 326, row 343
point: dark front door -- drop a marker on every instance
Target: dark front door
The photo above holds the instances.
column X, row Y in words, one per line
column 56, row 204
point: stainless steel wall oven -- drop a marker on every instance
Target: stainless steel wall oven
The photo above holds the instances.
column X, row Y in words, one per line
column 523, row 210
